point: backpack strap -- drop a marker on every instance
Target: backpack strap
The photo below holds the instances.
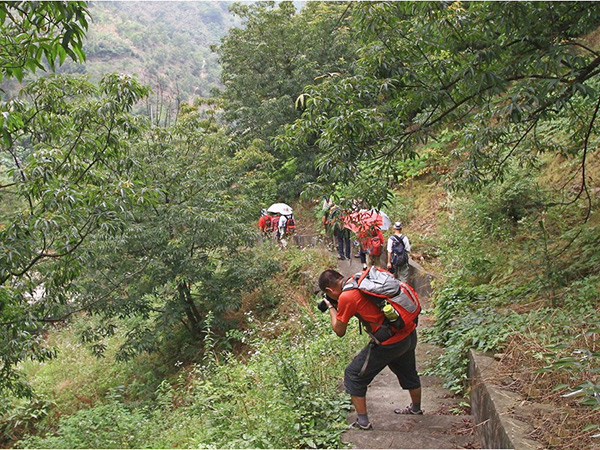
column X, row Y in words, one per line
column 366, row 363
column 351, row 283
column 367, row 326
column 362, row 276
column 399, row 239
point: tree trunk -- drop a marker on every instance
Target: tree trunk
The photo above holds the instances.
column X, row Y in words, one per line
column 191, row 311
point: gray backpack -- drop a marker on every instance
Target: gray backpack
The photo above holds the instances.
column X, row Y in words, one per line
column 381, row 287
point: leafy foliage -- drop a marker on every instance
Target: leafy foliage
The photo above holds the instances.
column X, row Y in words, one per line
column 513, row 286
column 284, row 395
column 31, row 32
column 498, row 72
column 70, row 177
column 107, row 426
column 187, row 253
column 266, row 64
column 280, row 392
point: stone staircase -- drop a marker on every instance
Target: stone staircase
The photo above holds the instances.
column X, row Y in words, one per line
column 444, row 424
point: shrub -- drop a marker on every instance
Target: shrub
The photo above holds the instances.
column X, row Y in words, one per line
column 283, row 395
column 108, row 426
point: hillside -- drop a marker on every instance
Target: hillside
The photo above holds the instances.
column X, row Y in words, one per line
column 166, row 41
column 142, row 307
column 166, row 44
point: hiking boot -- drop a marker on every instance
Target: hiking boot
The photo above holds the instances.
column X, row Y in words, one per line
column 358, row 426
column 408, row 410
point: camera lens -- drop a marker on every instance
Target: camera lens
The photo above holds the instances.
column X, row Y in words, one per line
column 322, row 306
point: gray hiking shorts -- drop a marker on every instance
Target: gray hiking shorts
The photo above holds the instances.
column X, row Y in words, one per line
column 399, row 357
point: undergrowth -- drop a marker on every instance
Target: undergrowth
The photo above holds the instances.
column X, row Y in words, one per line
column 273, row 382
column 520, row 280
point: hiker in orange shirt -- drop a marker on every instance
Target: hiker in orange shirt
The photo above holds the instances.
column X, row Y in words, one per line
column 391, row 347
column 264, row 223
column 371, row 244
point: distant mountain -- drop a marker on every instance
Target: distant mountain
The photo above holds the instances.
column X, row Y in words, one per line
column 165, row 43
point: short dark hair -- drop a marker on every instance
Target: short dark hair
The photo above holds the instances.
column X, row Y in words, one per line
column 329, row 278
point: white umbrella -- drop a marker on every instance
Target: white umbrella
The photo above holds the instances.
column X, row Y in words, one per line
column 387, row 222
column 280, row 208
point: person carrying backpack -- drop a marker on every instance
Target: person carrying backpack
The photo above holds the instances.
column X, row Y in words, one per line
column 290, row 225
column 398, row 249
column 275, row 225
column 392, row 346
column 340, row 232
column 286, row 226
column 264, row 223
column 371, row 243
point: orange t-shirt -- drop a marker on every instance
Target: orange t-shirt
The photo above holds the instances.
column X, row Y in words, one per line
column 352, row 302
column 262, row 223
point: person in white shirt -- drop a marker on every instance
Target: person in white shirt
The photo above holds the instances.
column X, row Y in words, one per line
column 281, row 226
column 398, row 251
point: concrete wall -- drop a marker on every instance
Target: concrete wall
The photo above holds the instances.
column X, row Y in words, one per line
column 493, row 408
column 419, row 280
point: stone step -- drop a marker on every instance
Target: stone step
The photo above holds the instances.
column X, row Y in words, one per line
column 387, row 378
column 433, row 400
column 421, row 439
column 434, row 424
column 386, row 390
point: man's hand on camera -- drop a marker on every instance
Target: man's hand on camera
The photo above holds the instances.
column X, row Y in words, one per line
column 326, row 304
column 330, row 304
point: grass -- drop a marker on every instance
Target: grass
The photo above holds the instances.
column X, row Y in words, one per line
column 276, row 387
column 523, row 283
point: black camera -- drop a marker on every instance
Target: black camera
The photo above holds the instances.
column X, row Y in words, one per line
column 323, row 305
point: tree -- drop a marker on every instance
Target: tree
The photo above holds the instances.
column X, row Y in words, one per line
column 70, row 176
column 267, row 62
column 495, row 74
column 40, row 172
column 33, row 31
column 185, row 259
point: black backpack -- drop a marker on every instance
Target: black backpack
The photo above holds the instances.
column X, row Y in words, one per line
column 399, row 255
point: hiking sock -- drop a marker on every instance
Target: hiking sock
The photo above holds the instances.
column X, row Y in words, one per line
column 363, row 420
column 415, row 406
